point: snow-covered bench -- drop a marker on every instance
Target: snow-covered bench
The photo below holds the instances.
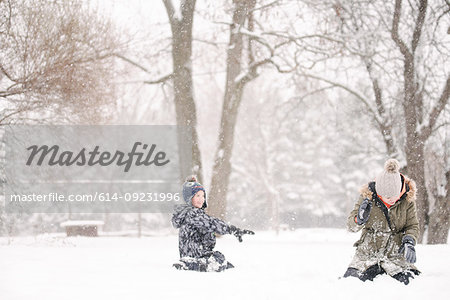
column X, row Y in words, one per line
column 82, row 227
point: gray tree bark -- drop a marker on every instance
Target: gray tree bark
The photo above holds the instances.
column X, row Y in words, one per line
column 234, row 88
column 413, row 108
column 185, row 109
column 439, row 218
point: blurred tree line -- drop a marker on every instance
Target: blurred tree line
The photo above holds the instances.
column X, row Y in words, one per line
column 293, row 104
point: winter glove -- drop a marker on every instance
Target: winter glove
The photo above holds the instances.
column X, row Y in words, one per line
column 237, row 232
column 363, row 212
column 407, row 249
column 404, row 277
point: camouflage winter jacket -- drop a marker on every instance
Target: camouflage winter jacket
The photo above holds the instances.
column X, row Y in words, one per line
column 382, row 234
column 197, row 231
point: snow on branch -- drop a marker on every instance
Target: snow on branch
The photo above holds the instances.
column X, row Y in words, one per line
column 394, row 31
column 259, row 36
column 349, row 90
column 419, row 24
column 170, row 11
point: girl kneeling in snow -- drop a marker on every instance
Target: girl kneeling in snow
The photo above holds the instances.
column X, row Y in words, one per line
column 386, row 213
column 197, row 232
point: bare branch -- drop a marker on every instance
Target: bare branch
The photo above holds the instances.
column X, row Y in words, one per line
column 436, row 111
column 285, row 71
column 419, row 24
column 376, row 90
column 313, row 92
column 349, row 90
column 170, row 11
column 394, row 31
column 2, row 69
column 160, row 80
column 445, row 13
column 222, row 23
column 251, row 27
column 301, row 37
column 273, row 3
column 258, row 38
column 214, row 43
column 242, row 79
column 441, row 125
column 131, row 62
column 18, row 111
column 5, row 94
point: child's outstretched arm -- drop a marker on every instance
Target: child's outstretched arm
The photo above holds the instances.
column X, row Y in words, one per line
column 209, row 224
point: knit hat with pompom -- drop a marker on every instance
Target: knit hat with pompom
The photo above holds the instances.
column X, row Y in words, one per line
column 190, row 188
column 389, row 183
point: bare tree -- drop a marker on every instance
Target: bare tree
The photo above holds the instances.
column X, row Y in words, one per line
column 234, row 88
column 55, row 62
column 413, row 106
column 251, row 48
column 56, row 66
column 181, row 20
column 181, row 26
column 402, row 52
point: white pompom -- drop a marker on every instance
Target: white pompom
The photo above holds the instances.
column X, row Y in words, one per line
column 392, row 166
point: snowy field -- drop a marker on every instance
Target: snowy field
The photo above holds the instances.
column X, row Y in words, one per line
column 305, row 264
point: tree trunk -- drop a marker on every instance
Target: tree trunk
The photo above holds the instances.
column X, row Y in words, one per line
column 222, row 163
column 276, row 212
column 384, row 125
column 439, row 219
column 186, row 113
column 416, row 170
column 415, row 144
column 139, row 225
column 413, row 109
column 232, row 99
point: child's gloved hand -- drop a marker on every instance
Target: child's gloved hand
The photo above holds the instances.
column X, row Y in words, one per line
column 363, row 212
column 408, row 250
column 237, row 232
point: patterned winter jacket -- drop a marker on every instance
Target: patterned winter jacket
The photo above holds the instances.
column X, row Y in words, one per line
column 381, row 239
column 197, row 231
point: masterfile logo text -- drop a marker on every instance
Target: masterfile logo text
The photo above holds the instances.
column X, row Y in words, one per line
column 94, row 168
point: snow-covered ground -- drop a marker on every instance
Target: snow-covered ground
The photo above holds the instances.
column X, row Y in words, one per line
column 305, row 264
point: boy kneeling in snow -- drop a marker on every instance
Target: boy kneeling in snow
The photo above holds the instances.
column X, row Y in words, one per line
column 197, row 232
